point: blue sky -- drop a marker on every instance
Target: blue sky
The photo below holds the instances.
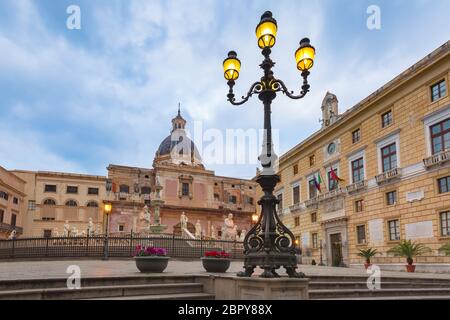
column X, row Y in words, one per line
column 77, row 100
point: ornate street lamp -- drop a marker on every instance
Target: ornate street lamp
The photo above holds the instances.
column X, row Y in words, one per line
column 107, row 208
column 269, row 244
column 255, row 218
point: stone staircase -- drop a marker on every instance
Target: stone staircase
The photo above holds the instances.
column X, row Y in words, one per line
column 355, row 288
column 115, row 288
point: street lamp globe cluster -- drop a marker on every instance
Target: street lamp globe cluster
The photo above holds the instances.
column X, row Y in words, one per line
column 269, row 244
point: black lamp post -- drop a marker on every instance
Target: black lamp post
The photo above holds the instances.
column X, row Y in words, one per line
column 269, row 244
column 107, row 208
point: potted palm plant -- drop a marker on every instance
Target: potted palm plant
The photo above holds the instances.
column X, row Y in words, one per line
column 445, row 249
column 151, row 259
column 367, row 254
column 216, row 261
column 409, row 249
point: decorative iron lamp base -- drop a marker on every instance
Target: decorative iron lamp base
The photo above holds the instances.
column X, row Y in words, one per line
column 269, row 244
column 270, row 262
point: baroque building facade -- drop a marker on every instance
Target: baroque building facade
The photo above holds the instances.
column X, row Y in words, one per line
column 51, row 201
column 186, row 187
column 375, row 175
column 12, row 194
column 54, row 199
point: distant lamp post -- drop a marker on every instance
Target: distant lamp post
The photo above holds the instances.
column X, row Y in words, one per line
column 255, row 218
column 107, row 208
column 269, row 243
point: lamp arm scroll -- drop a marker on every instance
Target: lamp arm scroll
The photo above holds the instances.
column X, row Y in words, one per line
column 279, row 86
column 255, row 88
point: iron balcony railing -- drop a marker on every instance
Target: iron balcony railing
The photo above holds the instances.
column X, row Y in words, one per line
column 388, row 175
column 437, row 159
column 9, row 228
column 357, row 186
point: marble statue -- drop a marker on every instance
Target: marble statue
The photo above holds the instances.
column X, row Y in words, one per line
column 98, row 230
column 66, row 228
column 230, row 229
column 242, row 236
column 183, row 221
column 74, row 232
column 198, row 229
column 147, row 216
column 90, row 227
column 56, row 232
column 213, row 232
column 12, row 235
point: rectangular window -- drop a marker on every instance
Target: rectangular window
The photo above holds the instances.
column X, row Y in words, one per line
column 233, row 199
column 295, row 169
column 121, row 228
column 280, row 202
column 332, row 184
column 31, row 205
column 361, row 234
column 72, row 189
column 356, row 135
column 47, row 233
column 314, row 217
column 358, row 170
column 315, row 240
column 359, row 205
column 50, row 188
column 297, row 221
column 4, row 195
column 250, row 200
column 445, row 223
column 440, row 136
column 15, row 200
column 296, row 194
column 185, row 189
column 312, row 189
column 391, row 198
column 2, row 215
column 438, row 90
column 312, row 160
column 13, row 220
column 394, row 230
column 386, row 119
column 444, row 184
column 389, row 157
column 93, row 191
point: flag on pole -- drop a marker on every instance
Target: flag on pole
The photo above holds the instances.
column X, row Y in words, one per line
column 334, row 176
column 318, row 181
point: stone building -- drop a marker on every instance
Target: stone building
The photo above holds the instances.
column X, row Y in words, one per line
column 383, row 170
column 52, row 198
column 186, row 187
column 12, row 193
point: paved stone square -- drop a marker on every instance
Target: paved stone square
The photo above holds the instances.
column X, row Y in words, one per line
column 126, row 267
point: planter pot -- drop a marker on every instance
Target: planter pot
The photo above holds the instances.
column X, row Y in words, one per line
column 367, row 265
column 216, row 264
column 410, row 268
column 155, row 264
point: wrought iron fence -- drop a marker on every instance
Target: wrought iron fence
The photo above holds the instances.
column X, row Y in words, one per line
column 117, row 246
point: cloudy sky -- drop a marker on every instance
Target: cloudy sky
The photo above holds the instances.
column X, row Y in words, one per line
column 78, row 100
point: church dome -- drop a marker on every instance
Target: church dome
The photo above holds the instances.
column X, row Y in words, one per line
column 177, row 148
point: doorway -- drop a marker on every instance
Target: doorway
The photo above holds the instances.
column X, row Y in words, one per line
column 336, row 249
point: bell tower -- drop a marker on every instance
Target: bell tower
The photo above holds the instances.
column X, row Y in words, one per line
column 330, row 112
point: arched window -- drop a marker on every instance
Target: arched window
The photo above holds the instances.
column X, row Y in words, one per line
column 92, row 204
column 124, row 188
column 71, row 203
column 49, row 202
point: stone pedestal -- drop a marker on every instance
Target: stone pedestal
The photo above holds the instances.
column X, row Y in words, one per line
column 256, row 288
column 157, row 228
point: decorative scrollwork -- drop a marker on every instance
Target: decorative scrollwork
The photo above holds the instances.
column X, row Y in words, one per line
column 256, row 88
column 279, row 86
